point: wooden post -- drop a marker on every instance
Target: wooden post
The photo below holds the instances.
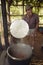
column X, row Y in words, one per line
column 4, row 16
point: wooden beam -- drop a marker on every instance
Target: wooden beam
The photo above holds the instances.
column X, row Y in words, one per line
column 4, row 16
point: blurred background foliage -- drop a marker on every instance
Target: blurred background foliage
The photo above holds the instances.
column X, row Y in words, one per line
column 16, row 2
column 17, row 8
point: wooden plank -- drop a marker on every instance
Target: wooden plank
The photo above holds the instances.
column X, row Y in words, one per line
column 2, row 58
column 4, row 16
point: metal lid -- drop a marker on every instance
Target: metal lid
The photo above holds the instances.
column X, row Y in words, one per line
column 19, row 29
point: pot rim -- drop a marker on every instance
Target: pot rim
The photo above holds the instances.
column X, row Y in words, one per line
column 14, row 58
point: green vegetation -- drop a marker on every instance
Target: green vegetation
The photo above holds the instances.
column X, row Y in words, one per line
column 17, row 8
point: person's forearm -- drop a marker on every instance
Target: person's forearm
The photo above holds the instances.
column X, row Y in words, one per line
column 37, row 26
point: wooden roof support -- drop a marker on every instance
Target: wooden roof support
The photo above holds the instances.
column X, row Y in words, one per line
column 4, row 16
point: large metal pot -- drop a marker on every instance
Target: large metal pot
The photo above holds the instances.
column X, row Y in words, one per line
column 19, row 54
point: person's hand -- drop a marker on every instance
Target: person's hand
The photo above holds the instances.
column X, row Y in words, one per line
column 34, row 33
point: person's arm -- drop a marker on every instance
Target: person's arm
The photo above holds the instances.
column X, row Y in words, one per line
column 37, row 23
